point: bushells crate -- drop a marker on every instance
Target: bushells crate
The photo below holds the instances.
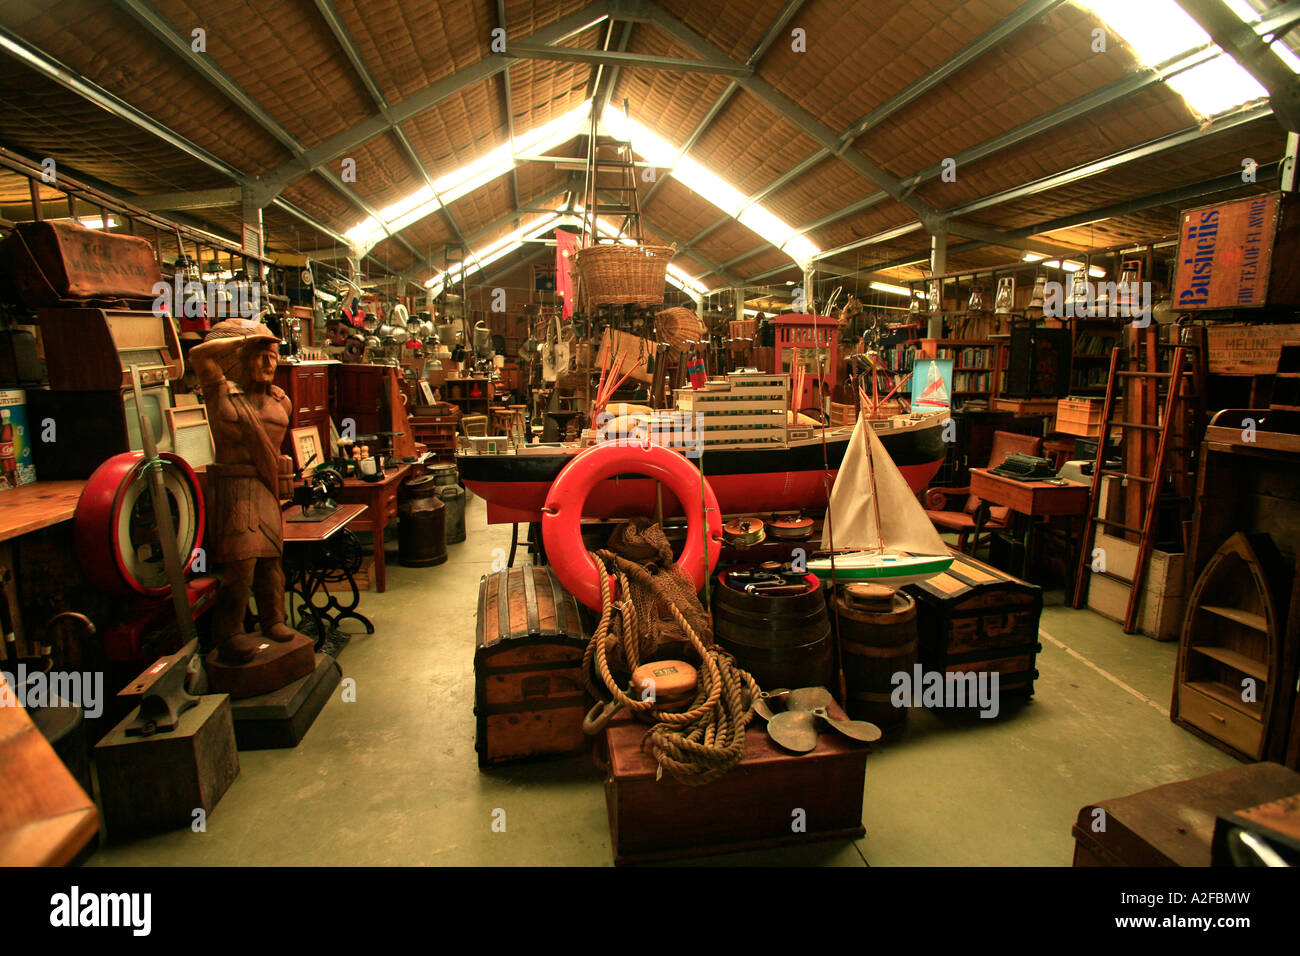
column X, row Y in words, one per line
column 528, row 691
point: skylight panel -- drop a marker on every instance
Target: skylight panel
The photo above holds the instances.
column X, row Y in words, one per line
column 1159, row 30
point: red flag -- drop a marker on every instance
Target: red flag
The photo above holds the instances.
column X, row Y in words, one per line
column 566, row 244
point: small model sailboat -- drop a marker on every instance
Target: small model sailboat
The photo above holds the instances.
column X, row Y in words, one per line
column 880, row 531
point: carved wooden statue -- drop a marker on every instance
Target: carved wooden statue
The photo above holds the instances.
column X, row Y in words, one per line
column 249, row 414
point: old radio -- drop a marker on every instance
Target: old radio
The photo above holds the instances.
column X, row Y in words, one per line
column 94, row 349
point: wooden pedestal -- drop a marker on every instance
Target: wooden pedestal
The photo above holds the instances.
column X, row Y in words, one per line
column 1173, row 825
column 751, row 807
column 150, row 784
column 276, row 665
column 283, row 717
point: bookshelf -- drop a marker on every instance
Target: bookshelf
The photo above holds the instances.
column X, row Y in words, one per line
column 1092, row 341
column 974, row 365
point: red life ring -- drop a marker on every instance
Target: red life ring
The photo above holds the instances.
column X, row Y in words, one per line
column 562, row 514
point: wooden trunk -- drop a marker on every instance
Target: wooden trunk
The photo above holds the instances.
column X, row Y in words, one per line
column 60, row 262
column 1173, row 825
column 529, row 697
column 752, row 807
column 975, row 618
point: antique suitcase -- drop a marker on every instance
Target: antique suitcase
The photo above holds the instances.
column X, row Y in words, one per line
column 771, row 798
column 974, row 617
column 528, row 692
column 1173, row 825
column 53, row 263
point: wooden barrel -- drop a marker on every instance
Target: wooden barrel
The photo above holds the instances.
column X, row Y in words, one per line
column 782, row 641
column 877, row 640
column 421, row 524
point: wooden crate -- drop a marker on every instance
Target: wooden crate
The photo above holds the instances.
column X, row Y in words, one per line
column 1160, row 613
column 1173, row 825
column 1080, row 416
column 528, row 691
column 751, row 807
column 975, row 618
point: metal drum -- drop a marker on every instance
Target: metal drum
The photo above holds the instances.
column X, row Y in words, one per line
column 444, row 474
column 877, row 640
column 453, row 497
column 421, row 524
column 784, row 641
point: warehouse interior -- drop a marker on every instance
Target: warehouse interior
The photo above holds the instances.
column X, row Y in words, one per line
column 561, row 433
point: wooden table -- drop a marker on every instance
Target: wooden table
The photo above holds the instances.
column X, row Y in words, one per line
column 37, row 505
column 45, row 815
column 380, row 499
column 1033, row 499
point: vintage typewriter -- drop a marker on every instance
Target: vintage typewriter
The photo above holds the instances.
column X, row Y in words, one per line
column 1025, row 468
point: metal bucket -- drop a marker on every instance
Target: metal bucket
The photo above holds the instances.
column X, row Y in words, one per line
column 453, row 497
column 421, row 524
column 781, row 641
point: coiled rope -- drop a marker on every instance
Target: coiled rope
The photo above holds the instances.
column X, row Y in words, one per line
column 696, row 746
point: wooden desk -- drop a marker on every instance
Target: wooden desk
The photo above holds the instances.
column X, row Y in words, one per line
column 38, row 505
column 45, row 816
column 1033, row 499
column 380, row 499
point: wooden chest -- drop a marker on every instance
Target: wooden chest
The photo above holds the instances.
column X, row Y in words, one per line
column 1173, row 825
column 529, row 698
column 975, row 618
column 771, row 798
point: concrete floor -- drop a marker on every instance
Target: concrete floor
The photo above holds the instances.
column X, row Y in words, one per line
column 392, row 778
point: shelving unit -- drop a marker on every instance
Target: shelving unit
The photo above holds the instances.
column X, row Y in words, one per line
column 1090, row 346
column 975, row 365
column 472, row 395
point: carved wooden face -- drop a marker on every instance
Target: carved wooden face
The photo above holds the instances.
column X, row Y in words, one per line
column 260, row 360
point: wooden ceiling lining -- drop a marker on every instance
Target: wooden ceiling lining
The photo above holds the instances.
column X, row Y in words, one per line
column 749, row 145
column 459, row 130
column 284, row 56
column 668, row 102
column 727, row 242
column 408, row 46
column 526, row 17
column 1045, row 65
column 112, row 51
column 536, row 179
column 734, row 26
column 384, row 172
column 429, row 235
column 857, row 55
column 1143, row 118
column 323, row 202
column 483, row 205
column 1202, row 160
column 826, row 187
column 860, row 225
column 40, row 118
column 680, row 210
column 543, row 90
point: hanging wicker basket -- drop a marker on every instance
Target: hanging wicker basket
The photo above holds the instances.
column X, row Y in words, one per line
column 679, row 328
column 615, row 274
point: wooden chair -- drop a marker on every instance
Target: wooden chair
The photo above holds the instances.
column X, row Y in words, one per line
column 963, row 523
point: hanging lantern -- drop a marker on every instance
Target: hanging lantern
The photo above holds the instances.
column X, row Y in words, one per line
column 977, row 302
column 1039, row 293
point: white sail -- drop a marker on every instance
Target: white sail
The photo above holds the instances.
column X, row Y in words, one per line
column 902, row 525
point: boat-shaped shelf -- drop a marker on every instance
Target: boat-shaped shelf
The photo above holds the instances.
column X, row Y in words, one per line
column 1230, row 653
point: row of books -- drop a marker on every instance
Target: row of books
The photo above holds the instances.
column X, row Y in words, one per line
column 972, row 381
column 1086, row 343
column 972, row 357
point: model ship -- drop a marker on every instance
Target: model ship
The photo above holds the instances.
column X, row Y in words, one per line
column 876, row 527
column 754, row 462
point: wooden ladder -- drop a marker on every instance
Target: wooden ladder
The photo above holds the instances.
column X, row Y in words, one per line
column 1152, row 419
column 611, row 170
